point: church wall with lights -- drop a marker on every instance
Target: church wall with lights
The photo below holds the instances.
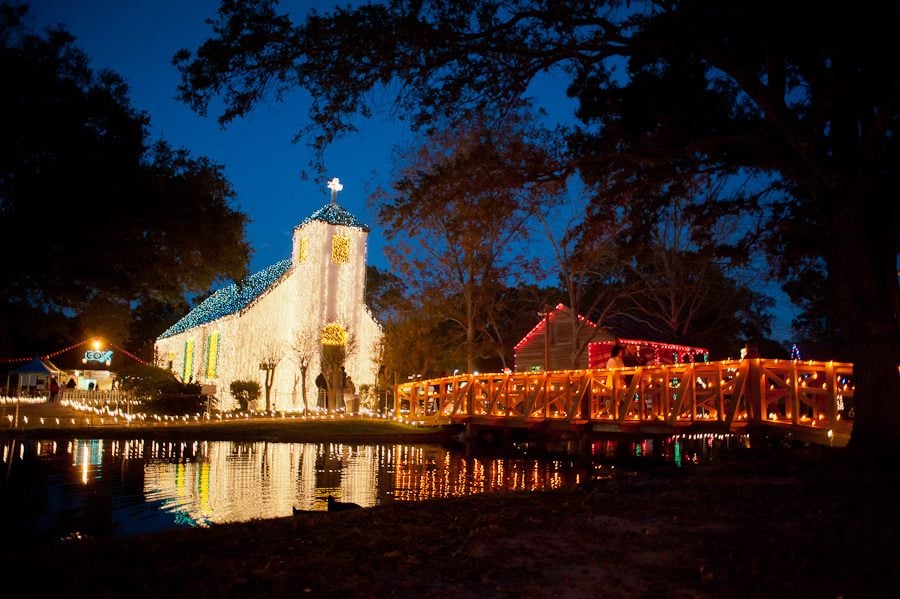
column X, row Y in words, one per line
column 227, row 336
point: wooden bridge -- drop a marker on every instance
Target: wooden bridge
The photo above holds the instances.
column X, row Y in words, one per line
column 807, row 401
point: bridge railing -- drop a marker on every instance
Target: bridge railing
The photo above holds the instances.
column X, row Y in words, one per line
column 808, row 393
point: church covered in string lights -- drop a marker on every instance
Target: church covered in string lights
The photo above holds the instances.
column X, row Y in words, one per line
column 322, row 285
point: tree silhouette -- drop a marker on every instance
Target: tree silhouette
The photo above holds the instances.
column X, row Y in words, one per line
column 103, row 225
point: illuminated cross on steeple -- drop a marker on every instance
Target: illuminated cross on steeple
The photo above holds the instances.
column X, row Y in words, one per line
column 335, row 186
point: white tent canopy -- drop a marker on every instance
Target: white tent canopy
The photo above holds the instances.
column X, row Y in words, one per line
column 31, row 373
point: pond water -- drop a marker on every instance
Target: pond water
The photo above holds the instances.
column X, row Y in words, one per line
column 70, row 489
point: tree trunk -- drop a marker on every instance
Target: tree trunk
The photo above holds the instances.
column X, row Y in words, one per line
column 335, row 391
column 269, row 380
column 864, row 283
column 303, row 390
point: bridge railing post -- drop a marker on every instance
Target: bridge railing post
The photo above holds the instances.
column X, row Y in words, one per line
column 756, row 405
column 831, row 397
column 722, row 404
column 585, row 385
column 414, row 401
column 792, row 403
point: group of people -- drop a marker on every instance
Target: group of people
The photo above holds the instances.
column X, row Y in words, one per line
column 348, row 391
column 619, row 358
column 55, row 388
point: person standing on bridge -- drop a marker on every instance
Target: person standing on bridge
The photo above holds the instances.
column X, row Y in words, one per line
column 615, row 361
column 615, row 357
column 632, row 357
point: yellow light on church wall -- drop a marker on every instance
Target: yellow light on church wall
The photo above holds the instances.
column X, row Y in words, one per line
column 188, row 360
column 303, row 249
column 340, row 249
column 212, row 355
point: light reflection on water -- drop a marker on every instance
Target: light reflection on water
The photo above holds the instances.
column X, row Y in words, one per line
column 93, row 487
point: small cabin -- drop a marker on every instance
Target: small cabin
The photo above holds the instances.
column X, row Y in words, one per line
column 548, row 346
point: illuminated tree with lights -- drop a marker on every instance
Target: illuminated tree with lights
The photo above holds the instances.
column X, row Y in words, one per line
column 304, row 346
column 337, row 344
column 270, row 353
column 801, row 106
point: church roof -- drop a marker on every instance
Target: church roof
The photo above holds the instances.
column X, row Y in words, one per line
column 230, row 299
column 333, row 214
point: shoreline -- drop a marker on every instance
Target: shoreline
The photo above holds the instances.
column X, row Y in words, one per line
column 53, row 421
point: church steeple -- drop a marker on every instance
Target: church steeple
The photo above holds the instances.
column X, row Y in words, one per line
column 329, row 257
column 332, row 213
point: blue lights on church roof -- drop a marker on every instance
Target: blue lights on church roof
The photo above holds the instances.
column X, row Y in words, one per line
column 335, row 215
column 230, row 299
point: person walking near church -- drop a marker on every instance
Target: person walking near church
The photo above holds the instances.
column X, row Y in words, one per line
column 349, row 396
column 322, row 386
